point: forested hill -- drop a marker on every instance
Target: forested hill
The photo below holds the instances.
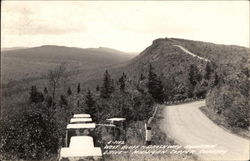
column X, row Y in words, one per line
column 30, row 63
column 162, row 50
column 173, row 64
column 182, row 68
column 221, row 73
column 187, row 68
column 168, row 70
column 91, row 56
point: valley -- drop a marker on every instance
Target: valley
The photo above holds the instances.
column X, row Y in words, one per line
column 182, row 69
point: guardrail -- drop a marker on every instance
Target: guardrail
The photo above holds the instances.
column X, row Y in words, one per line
column 148, row 133
column 176, row 102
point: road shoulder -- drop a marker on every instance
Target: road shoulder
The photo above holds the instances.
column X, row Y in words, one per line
column 219, row 120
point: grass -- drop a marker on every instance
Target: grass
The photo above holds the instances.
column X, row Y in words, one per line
column 221, row 121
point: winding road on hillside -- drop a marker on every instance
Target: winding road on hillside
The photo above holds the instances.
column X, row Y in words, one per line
column 187, row 125
column 190, row 53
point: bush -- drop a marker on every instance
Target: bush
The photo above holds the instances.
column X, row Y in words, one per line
column 30, row 135
column 237, row 114
column 231, row 103
column 142, row 107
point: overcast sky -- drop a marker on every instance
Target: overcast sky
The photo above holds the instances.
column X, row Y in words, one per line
column 125, row 25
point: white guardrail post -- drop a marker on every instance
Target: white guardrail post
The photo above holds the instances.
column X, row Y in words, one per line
column 148, row 132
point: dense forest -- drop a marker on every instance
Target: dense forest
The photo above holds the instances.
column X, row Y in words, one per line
column 39, row 109
column 30, row 133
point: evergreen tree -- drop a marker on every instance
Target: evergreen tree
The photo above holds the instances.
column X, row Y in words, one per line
column 45, row 91
column 33, row 93
column 142, row 77
column 152, row 78
column 35, row 96
column 192, row 81
column 216, row 79
column 89, row 99
column 194, row 77
column 40, row 97
column 112, row 85
column 78, row 88
column 122, row 82
column 107, row 87
column 208, row 71
column 97, row 88
column 190, row 90
column 160, row 92
column 91, row 108
column 63, row 101
column 69, row 92
column 48, row 100
column 155, row 87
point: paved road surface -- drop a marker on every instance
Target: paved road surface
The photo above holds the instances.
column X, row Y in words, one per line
column 187, row 125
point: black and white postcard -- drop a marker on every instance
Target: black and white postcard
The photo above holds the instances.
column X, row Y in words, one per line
column 125, row 80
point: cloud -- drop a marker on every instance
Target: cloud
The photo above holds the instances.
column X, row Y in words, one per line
column 27, row 18
column 125, row 25
column 31, row 28
column 12, row 7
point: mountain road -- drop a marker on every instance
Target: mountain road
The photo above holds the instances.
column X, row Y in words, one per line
column 189, row 127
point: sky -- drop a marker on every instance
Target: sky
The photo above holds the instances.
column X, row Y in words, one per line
column 129, row 26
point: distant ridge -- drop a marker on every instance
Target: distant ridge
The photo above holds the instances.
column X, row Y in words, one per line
column 20, row 62
column 55, row 51
column 12, row 48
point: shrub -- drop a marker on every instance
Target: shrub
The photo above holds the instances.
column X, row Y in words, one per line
column 237, row 114
column 231, row 103
column 30, row 135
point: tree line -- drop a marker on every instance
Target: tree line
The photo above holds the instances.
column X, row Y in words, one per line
column 49, row 110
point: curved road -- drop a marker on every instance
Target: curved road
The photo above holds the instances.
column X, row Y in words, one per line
column 190, row 53
column 187, row 125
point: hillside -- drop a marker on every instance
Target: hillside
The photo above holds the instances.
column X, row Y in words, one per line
column 163, row 51
column 62, row 53
column 32, row 62
column 223, row 69
column 221, row 73
column 13, row 48
column 229, row 68
column 169, row 61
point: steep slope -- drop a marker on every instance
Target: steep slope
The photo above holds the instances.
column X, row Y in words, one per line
column 162, row 49
column 171, row 63
column 224, row 72
column 227, row 68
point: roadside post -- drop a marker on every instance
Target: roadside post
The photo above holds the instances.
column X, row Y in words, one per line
column 148, row 132
column 148, row 136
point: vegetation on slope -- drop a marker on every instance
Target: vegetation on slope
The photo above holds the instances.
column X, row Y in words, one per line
column 224, row 81
column 32, row 62
column 28, row 134
column 229, row 95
